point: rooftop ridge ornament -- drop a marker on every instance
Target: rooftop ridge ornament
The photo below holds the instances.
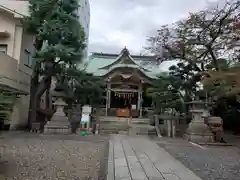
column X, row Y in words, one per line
column 125, row 51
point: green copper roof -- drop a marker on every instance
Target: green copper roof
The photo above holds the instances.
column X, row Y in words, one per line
column 100, row 64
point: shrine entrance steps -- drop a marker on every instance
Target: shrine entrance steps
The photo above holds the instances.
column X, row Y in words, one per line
column 130, row 126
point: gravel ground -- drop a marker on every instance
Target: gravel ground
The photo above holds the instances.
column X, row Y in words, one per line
column 36, row 157
column 212, row 163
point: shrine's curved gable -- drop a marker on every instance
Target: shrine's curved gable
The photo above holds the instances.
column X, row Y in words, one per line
column 101, row 64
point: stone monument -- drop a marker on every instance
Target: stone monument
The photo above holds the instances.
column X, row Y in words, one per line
column 197, row 130
column 59, row 122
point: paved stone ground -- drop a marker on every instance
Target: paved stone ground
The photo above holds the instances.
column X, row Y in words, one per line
column 52, row 157
column 139, row 158
column 209, row 163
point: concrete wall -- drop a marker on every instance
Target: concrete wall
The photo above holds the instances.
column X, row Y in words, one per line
column 13, row 70
column 14, row 77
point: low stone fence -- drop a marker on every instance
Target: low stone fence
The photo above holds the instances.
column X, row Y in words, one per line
column 170, row 125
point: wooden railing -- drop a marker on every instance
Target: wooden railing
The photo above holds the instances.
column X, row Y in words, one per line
column 146, row 112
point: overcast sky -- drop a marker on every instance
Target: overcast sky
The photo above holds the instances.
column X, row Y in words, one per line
column 119, row 23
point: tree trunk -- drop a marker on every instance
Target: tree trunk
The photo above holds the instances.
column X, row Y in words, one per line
column 40, row 89
column 33, row 103
column 34, row 83
column 70, row 117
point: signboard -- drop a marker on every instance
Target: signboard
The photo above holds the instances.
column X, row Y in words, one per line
column 86, row 110
column 85, row 118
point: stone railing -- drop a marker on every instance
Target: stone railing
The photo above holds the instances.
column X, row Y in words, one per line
column 169, row 124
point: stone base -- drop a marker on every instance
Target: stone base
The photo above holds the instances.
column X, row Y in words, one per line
column 57, row 127
column 57, row 130
column 198, row 132
column 197, row 138
column 59, row 124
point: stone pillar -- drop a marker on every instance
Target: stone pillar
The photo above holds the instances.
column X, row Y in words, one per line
column 106, row 107
column 169, row 127
column 198, row 131
column 109, row 95
column 174, row 128
column 108, row 98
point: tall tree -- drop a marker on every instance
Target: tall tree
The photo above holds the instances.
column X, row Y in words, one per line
column 204, row 41
column 59, row 42
column 201, row 39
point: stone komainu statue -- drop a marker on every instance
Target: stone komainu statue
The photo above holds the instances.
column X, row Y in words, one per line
column 216, row 126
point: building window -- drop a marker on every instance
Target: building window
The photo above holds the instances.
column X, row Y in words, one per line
column 28, row 60
column 3, row 48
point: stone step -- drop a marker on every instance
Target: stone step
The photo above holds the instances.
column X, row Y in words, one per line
column 113, row 128
column 125, row 120
column 115, row 125
column 113, row 132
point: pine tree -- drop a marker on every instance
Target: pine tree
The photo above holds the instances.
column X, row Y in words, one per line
column 59, row 43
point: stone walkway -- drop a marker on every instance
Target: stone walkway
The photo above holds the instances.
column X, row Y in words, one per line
column 138, row 158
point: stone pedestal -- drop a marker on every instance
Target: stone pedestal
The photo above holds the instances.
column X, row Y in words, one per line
column 197, row 130
column 59, row 122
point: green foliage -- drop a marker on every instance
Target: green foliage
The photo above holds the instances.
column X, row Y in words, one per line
column 59, row 43
column 39, row 11
column 166, row 94
column 222, row 84
column 89, row 89
column 55, row 23
column 206, row 41
column 201, row 39
column 81, row 87
column 7, row 101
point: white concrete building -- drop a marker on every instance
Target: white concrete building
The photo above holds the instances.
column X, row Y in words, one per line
column 16, row 49
column 84, row 19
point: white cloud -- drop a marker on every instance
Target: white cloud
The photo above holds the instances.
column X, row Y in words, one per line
column 118, row 23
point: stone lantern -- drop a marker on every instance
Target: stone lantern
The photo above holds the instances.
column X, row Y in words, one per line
column 59, row 122
column 197, row 130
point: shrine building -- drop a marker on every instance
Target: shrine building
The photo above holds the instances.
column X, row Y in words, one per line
column 127, row 78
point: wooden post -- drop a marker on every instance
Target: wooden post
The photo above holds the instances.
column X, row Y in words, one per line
column 108, row 98
column 106, row 106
